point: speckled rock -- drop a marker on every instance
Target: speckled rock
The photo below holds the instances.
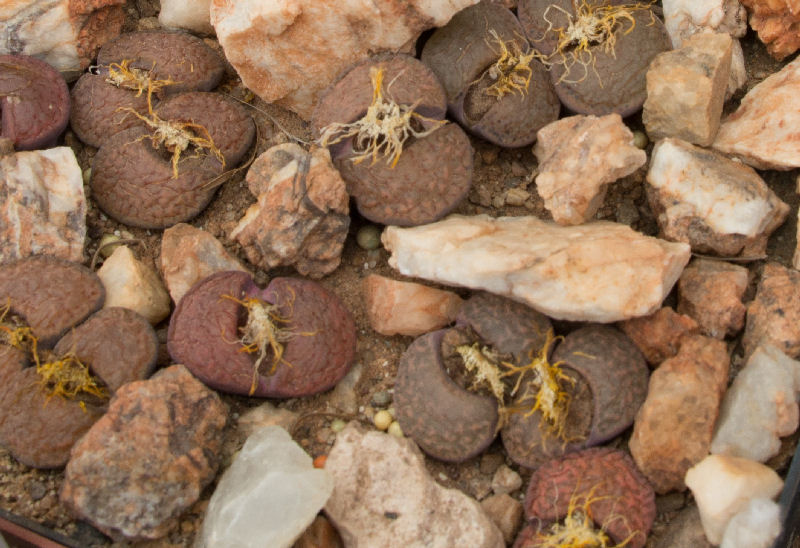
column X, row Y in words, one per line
column 149, row 458
column 711, row 293
column 132, row 284
column 42, row 205
column 578, row 156
column 301, row 216
column 384, row 496
column 674, row 426
column 659, row 335
column 777, row 23
column 774, row 315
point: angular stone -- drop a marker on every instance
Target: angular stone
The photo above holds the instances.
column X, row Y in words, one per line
column 268, row 496
column 188, row 255
column 599, row 271
column 301, row 217
column 149, row 458
column 134, row 285
column 659, row 335
column 765, row 130
column 715, row 204
column 673, row 428
column 755, row 526
column 319, row 37
column 723, row 486
column 777, row 23
column 760, row 406
column 42, row 205
column 64, row 33
column 578, row 156
column 194, row 16
column 686, row 89
column 685, row 18
column 506, row 513
column 774, row 315
column 505, row 480
column 407, row 308
column 711, row 293
column 384, row 496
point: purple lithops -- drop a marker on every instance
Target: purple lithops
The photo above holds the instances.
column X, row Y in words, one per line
column 294, row 338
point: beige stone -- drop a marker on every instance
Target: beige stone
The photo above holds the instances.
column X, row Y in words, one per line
column 765, row 130
column 686, row 89
column 406, row 308
column 42, row 205
column 711, row 293
column 132, row 284
column 774, row 315
column 506, row 513
column 673, row 428
column 723, row 486
column 194, row 15
column 321, row 38
column 659, row 335
column 777, row 23
column 599, row 271
column 578, row 156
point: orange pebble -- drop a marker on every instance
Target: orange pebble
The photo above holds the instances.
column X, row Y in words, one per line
column 319, row 462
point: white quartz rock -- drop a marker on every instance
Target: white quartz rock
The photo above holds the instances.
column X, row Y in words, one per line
column 193, row 15
column 722, row 486
column 289, row 51
column 132, row 284
column 756, row 526
column 600, row 271
column 42, row 205
column 683, row 18
column 760, row 406
column 268, row 496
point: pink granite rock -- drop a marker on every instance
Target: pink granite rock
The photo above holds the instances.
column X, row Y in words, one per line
column 674, row 426
column 659, row 335
column 711, row 293
column 774, row 315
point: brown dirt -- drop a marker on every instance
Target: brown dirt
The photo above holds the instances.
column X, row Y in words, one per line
column 498, row 174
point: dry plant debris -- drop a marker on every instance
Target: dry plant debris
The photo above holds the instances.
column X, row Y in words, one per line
column 511, row 72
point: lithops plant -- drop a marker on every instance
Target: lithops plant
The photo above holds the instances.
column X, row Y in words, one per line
column 598, row 51
column 52, row 393
column 34, row 101
column 496, row 86
column 294, row 338
column 383, row 122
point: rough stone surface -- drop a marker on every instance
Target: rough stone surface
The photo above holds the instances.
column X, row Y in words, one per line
column 64, row 33
column 149, row 458
column 756, row 526
column 723, row 486
column 673, row 428
column 505, row 480
column 774, row 315
column 384, row 496
column 578, row 156
column 715, row 204
column 684, row 531
column 319, row 37
column 686, row 89
column 777, row 23
column 760, row 407
column 407, row 308
column 600, row 271
column 506, row 513
column 711, row 293
column 264, row 415
column 320, row 534
column 765, row 130
column 301, row 216
column 659, row 335
column 268, row 496
column 188, row 255
column 42, row 205
column 194, row 16
column 134, row 285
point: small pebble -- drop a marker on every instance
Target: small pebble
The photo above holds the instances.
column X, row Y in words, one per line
column 517, row 196
column 369, row 237
column 381, row 398
column 395, row 430
column 640, row 139
column 382, row 420
column 106, row 244
column 337, row 425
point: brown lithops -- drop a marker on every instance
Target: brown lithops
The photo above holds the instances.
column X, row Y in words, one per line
column 496, row 86
column 293, row 338
column 384, row 124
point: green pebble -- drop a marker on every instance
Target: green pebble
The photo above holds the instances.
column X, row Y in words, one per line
column 338, row 425
column 369, row 237
column 640, row 139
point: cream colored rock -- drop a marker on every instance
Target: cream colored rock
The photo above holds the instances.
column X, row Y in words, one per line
column 765, row 130
column 599, row 271
column 193, row 15
column 406, row 308
column 289, row 51
column 188, row 255
column 132, row 284
column 578, row 156
column 722, row 486
column 711, row 202
column 684, row 18
column 42, row 205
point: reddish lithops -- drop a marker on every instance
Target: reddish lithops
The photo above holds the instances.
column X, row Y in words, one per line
column 496, row 87
column 293, row 338
column 597, row 492
column 34, row 100
column 384, row 124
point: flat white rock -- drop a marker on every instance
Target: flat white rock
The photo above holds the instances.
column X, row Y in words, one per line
column 599, row 271
column 756, row 526
column 193, row 15
column 267, row 497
